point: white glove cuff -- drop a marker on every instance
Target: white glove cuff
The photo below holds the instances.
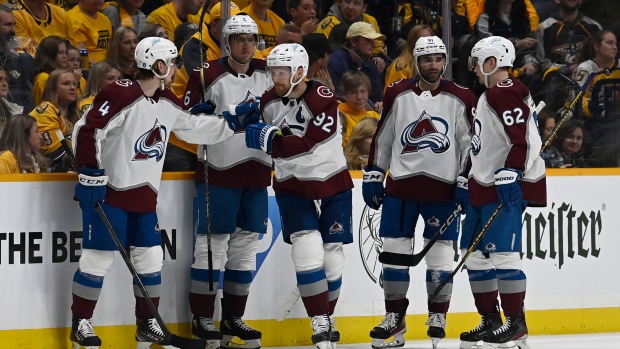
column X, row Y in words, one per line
column 506, row 177
column 373, row 176
column 461, row 182
column 92, row 181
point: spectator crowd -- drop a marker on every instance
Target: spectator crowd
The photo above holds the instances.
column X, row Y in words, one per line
column 56, row 55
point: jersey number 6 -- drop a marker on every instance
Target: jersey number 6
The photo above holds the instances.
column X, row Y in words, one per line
column 511, row 119
column 324, row 122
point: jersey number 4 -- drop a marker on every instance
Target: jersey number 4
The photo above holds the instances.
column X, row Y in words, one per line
column 514, row 116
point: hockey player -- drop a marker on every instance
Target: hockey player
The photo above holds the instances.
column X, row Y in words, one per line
column 125, row 132
column 506, row 170
column 238, row 180
column 312, row 184
column 423, row 139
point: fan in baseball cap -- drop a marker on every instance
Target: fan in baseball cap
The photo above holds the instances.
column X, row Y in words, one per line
column 365, row 30
column 216, row 11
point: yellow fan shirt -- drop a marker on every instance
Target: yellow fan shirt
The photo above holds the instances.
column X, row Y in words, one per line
column 167, row 17
column 30, row 30
column 267, row 30
column 353, row 117
column 95, row 33
column 399, row 69
column 49, row 120
column 39, row 86
column 329, row 22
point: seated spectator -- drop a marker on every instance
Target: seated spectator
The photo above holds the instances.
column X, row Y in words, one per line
column 569, row 141
column 64, row 4
column 51, row 55
column 174, row 13
column 19, row 147
column 403, row 67
column 474, row 8
column 35, row 20
column 317, row 47
column 357, row 149
column 122, row 49
column 7, row 109
column 356, row 55
column 153, row 30
column 349, row 12
column 598, row 56
column 546, row 124
column 268, row 24
column 560, row 38
column 288, row 34
column 101, row 74
column 74, row 63
column 509, row 19
column 17, row 64
column 355, row 87
column 89, row 29
column 58, row 111
column 303, row 15
column 183, row 33
column 125, row 13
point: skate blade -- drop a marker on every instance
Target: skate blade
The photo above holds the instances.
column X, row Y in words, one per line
column 399, row 341
column 229, row 342
column 323, row 345
column 516, row 344
column 435, row 341
column 77, row 346
column 469, row 345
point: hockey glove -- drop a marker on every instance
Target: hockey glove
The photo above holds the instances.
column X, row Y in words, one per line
column 372, row 186
column 91, row 187
column 507, row 186
column 461, row 193
column 260, row 136
column 207, row 107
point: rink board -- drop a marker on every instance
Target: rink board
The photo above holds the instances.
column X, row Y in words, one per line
column 569, row 255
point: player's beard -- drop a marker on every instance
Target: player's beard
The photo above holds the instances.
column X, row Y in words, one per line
column 431, row 78
column 281, row 89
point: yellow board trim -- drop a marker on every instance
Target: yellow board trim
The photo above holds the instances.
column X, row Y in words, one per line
column 297, row 332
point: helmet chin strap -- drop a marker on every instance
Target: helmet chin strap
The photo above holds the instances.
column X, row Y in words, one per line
column 417, row 68
column 486, row 75
column 162, row 77
column 293, row 84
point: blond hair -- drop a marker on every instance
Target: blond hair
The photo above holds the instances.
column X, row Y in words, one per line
column 366, row 128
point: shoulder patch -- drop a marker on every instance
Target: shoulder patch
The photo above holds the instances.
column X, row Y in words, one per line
column 124, row 82
column 326, row 22
column 400, row 65
column 42, row 107
column 505, row 83
column 85, row 108
column 324, row 91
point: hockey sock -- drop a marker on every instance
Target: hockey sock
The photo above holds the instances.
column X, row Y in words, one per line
column 313, row 289
column 511, row 284
column 442, row 302
column 236, row 290
column 484, row 287
column 152, row 283
column 333, row 288
column 395, row 286
column 86, row 291
column 201, row 300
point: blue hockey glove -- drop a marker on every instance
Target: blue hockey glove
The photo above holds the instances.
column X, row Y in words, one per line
column 91, row 187
column 260, row 136
column 507, row 186
column 207, row 107
column 247, row 112
column 233, row 121
column 461, row 193
column 372, row 186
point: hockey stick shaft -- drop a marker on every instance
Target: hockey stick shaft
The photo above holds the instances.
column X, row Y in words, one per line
column 473, row 246
column 170, row 338
column 204, row 147
column 415, row 259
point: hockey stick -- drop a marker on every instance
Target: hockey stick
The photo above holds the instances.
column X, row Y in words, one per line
column 287, row 306
column 169, row 337
column 411, row 260
column 470, row 250
column 204, row 147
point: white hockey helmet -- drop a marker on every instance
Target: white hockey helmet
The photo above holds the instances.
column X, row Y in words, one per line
column 293, row 56
column 239, row 24
column 152, row 49
column 429, row 45
column 497, row 47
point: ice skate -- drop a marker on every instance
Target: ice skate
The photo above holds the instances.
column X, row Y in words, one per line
column 203, row 327
column 488, row 323
column 322, row 327
column 436, row 327
column 149, row 332
column 393, row 325
column 83, row 335
column 335, row 336
column 235, row 327
column 514, row 330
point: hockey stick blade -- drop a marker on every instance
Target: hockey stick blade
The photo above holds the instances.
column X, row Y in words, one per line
column 411, row 260
column 552, row 134
column 287, row 306
column 169, row 338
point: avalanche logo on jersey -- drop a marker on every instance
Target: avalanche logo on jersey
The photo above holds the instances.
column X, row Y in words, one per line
column 475, row 139
column 151, row 144
column 426, row 132
column 336, row 228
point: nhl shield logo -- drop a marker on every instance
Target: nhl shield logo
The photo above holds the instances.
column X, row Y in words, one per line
column 428, row 132
column 151, row 144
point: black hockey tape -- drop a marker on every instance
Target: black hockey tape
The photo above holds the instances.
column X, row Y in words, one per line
column 396, row 259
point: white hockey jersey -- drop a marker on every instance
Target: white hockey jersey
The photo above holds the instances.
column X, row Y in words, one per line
column 309, row 160
column 506, row 135
column 423, row 139
column 231, row 161
column 126, row 133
